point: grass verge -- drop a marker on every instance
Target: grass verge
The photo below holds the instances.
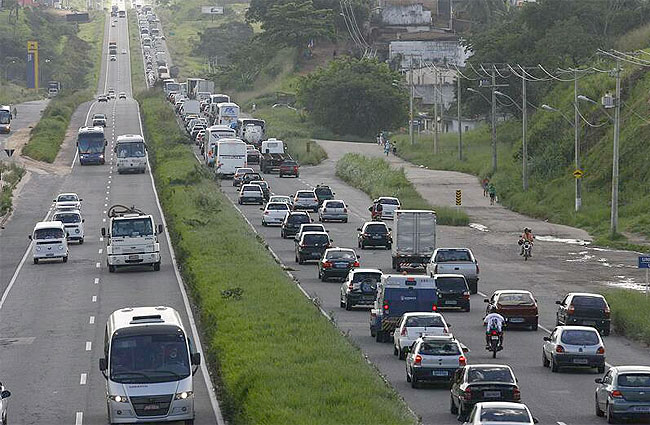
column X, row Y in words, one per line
column 630, row 313
column 11, row 175
column 377, row 178
column 279, row 359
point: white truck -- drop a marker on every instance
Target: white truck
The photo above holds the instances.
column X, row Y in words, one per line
column 131, row 238
column 273, row 155
column 414, row 238
column 131, row 153
column 230, row 155
column 455, row 261
column 251, row 130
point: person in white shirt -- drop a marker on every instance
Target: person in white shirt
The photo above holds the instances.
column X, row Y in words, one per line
column 493, row 321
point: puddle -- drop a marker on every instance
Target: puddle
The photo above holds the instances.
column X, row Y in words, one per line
column 584, row 257
column 547, row 238
column 479, row 227
column 625, row 282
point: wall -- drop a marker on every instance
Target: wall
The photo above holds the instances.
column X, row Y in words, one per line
column 432, row 51
column 410, row 14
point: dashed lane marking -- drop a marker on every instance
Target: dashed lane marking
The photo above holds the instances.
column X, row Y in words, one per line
column 94, row 299
column 79, row 418
column 89, row 345
column 91, row 320
column 82, row 379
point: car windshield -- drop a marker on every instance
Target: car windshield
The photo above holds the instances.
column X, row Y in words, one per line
column 315, row 239
column 516, row 299
column 51, row 233
column 364, row 276
column 424, row 322
column 341, row 255
column 334, row 204
column 579, row 337
column 91, row 143
column 439, row 348
column 376, row 228
column 502, row 414
column 67, row 218
column 132, row 227
column 388, row 201
column 634, row 380
column 490, row 374
column 298, row 218
column 278, row 206
column 140, row 359
column 588, row 302
column 449, row 255
column 451, row 284
column 5, row 117
column 67, row 198
column 305, row 195
column 130, row 150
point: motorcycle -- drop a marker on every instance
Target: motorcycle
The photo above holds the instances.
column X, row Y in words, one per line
column 528, row 248
column 494, row 342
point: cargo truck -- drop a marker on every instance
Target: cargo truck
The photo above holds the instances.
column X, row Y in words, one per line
column 414, row 238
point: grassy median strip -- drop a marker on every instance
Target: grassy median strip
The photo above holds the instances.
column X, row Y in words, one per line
column 11, row 175
column 630, row 313
column 377, row 178
column 138, row 83
column 279, row 360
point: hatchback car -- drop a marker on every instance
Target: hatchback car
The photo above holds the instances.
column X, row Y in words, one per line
column 111, row 93
column 453, row 291
column 360, row 288
column 99, row 120
column 73, row 224
column 388, row 207
column 253, row 155
column 518, row 307
column 323, row 193
column 102, row 98
column 412, row 326
column 67, row 201
column 289, row 168
column 584, row 309
column 374, row 233
column 292, row 223
column 311, row 246
column 239, row 174
column 266, row 190
column 473, row 384
column 434, row 359
column 274, row 213
column 337, row 263
column 305, row 200
column 494, row 412
column 310, row 227
column 624, row 392
column 281, row 198
column 573, row 346
column 333, row 209
column 249, row 177
column 250, row 194
column 113, row 58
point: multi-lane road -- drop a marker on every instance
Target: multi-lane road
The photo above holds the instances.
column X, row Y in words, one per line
column 52, row 316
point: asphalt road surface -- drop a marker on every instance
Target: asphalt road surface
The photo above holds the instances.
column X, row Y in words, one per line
column 28, row 114
column 52, row 315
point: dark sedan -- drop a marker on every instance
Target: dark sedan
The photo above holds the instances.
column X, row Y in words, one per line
column 337, row 263
column 374, row 233
column 249, row 177
column 323, row 193
column 292, row 222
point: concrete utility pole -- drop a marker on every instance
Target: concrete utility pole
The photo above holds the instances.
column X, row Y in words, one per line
column 524, row 141
column 411, row 94
column 494, row 122
column 576, row 139
column 435, row 111
column 460, row 121
column 617, row 126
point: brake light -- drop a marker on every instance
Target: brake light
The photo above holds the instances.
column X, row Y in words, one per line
column 386, row 306
column 571, row 310
column 404, row 331
column 466, row 295
column 516, row 394
column 601, row 350
column 495, row 333
column 356, row 264
column 295, row 168
column 467, row 395
column 607, row 311
column 350, row 286
column 418, row 359
column 434, row 308
column 462, row 361
column 327, row 265
column 559, row 349
column 616, row 394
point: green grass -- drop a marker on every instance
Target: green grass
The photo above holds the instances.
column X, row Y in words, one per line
column 138, row 83
column 279, row 360
column 11, row 175
column 93, row 33
column 377, row 178
column 630, row 313
column 11, row 94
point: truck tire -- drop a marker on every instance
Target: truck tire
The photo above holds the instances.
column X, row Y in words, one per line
column 111, row 269
column 35, row 260
column 65, row 259
column 473, row 286
column 156, row 266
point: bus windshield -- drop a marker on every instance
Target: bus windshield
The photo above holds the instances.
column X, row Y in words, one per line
column 91, row 143
column 149, row 358
column 5, row 116
column 130, row 150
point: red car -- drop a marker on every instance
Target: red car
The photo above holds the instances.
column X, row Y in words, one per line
column 518, row 307
column 289, row 168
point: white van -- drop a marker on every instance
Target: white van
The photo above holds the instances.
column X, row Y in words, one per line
column 230, row 155
column 215, row 133
column 50, row 241
column 73, row 223
column 131, row 153
column 148, row 362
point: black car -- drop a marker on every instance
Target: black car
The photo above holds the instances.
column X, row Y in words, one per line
column 452, row 291
column 292, row 222
column 584, row 309
column 374, row 233
column 360, row 288
column 266, row 190
column 253, row 156
column 311, row 246
column 323, row 193
column 337, row 263
column 473, row 384
column 249, row 177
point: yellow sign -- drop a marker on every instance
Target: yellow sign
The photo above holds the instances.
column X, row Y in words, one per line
column 578, row 174
column 32, row 46
column 459, row 197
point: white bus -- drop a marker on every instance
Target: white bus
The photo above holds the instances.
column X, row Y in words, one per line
column 148, row 362
column 230, row 154
column 215, row 133
column 227, row 113
column 131, row 153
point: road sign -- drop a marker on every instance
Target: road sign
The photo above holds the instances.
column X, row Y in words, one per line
column 212, row 10
column 578, row 174
column 32, row 64
column 644, row 261
column 459, row 197
column 10, row 152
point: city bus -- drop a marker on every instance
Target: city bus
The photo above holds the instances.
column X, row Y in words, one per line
column 91, row 145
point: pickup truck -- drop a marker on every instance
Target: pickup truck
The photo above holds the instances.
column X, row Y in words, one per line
column 455, row 261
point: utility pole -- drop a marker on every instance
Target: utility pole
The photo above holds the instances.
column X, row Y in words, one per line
column 435, row 111
column 494, row 122
column 460, row 121
column 617, row 126
column 524, row 140
column 411, row 94
column 576, row 139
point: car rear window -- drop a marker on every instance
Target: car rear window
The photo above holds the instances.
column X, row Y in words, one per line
column 251, row 188
column 634, row 380
column 263, row 185
column 451, row 284
column 502, row 414
column 490, row 374
column 305, row 194
column 341, row 255
column 449, row 255
column 67, row 218
column 579, row 337
column 439, row 348
column 313, row 228
column 66, row 198
column 278, row 206
column 299, row 218
column 376, row 228
column 361, row 276
column 315, row 239
column 289, row 164
column 389, row 201
column 334, row 205
column 516, row 299
column 424, row 322
column 323, row 191
column 588, row 302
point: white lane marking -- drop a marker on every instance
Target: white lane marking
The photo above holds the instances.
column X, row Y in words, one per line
column 100, row 250
column 561, row 423
column 94, row 299
column 105, row 205
column 89, row 345
column 548, row 331
column 96, row 280
column 103, row 220
column 82, row 379
column 91, row 320
column 97, row 265
column 481, row 294
column 79, row 419
column 101, row 239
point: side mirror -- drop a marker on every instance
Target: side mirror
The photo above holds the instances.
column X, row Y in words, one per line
column 390, row 229
column 103, row 231
column 83, row 220
column 449, row 325
column 5, row 394
column 358, row 229
column 261, row 209
column 196, row 359
column 485, row 300
column 332, row 240
column 465, row 349
column 535, row 420
column 598, row 380
column 558, row 302
column 30, row 237
column 160, row 228
column 105, row 142
column 80, row 200
column 103, row 364
column 547, row 339
column 53, row 200
column 358, row 257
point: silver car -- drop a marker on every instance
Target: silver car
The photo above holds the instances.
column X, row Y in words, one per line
column 492, row 412
column 573, row 346
column 388, row 207
column 624, row 392
column 251, row 193
column 333, row 209
column 305, row 200
column 434, row 359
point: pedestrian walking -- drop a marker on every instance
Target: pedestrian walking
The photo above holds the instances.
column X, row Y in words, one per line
column 387, row 147
column 15, row 111
column 485, row 183
column 492, row 191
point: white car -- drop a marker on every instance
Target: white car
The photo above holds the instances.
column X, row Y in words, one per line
column 73, row 223
column 309, row 227
column 251, row 193
column 333, row 209
column 281, row 198
column 4, row 395
column 50, row 241
column 413, row 325
column 124, row 51
column 274, row 213
column 67, row 201
column 389, row 205
column 496, row 412
column 574, row 346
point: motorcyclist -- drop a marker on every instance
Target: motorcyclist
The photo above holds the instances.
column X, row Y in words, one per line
column 527, row 236
column 494, row 322
column 375, row 210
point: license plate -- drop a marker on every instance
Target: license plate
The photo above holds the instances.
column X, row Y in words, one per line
column 494, row 337
column 50, row 255
column 452, row 302
column 580, row 361
column 376, row 237
column 642, row 409
column 340, row 265
column 516, row 320
column 151, row 407
column 440, row 373
column 589, row 323
column 133, row 257
column 491, row 394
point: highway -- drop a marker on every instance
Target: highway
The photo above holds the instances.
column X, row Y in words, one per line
column 52, row 315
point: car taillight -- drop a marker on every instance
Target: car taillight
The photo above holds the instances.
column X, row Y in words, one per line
column 266, row 212
column 467, row 395
column 607, row 311
column 345, row 210
column 418, row 359
column 434, row 308
column 462, row 361
column 495, row 333
column 350, row 286
column 616, row 394
column 295, row 168
column 559, row 349
column 516, row 394
column 601, row 350
column 327, row 265
column 571, row 310
column 356, row 264
column 466, row 295
column 385, row 306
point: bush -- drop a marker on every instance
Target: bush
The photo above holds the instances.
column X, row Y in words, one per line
column 630, row 313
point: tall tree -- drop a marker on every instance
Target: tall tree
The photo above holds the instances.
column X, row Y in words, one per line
column 294, row 24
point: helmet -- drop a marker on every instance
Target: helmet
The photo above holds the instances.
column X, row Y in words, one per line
column 527, row 229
